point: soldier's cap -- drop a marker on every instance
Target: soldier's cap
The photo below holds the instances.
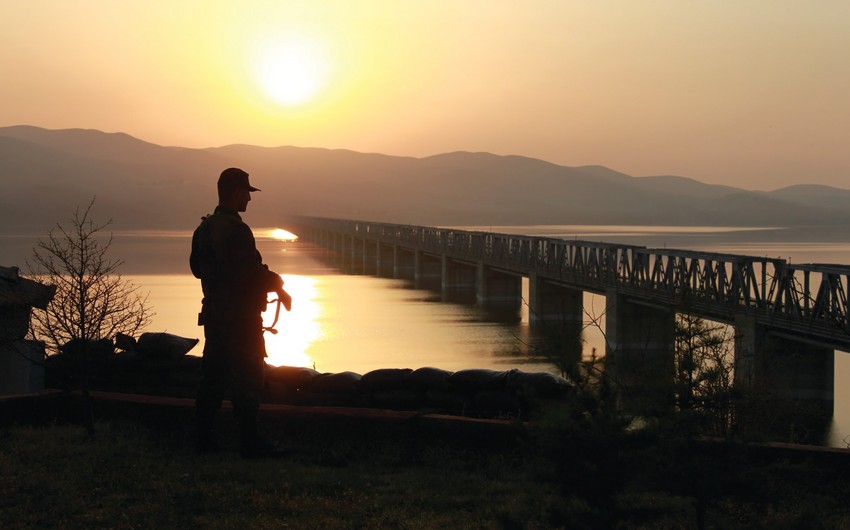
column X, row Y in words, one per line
column 234, row 178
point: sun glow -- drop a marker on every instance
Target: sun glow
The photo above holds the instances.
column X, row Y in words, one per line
column 297, row 329
column 291, row 69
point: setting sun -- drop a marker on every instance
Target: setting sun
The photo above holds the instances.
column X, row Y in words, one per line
column 291, row 69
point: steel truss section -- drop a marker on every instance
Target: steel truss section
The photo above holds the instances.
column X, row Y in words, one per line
column 809, row 300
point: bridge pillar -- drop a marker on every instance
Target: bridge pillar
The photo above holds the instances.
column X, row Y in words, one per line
column 354, row 263
column 340, row 242
column 788, row 385
column 325, row 239
column 335, row 242
column 550, row 302
column 557, row 312
column 370, row 256
column 639, row 351
column 498, row 293
column 428, row 273
column 385, row 260
column 459, row 281
column 404, row 263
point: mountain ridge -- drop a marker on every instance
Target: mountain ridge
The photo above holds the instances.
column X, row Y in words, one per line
column 48, row 173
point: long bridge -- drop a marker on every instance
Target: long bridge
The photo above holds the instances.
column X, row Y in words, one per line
column 788, row 318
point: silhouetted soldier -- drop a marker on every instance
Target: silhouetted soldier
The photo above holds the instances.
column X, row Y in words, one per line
column 235, row 283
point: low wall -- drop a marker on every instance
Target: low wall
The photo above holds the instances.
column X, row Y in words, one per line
column 478, row 393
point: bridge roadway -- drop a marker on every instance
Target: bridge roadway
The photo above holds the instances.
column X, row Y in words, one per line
column 788, row 318
column 805, row 301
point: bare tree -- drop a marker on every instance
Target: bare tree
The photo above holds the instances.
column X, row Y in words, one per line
column 92, row 300
column 705, row 373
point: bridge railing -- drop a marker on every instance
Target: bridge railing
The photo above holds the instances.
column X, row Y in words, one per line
column 806, row 296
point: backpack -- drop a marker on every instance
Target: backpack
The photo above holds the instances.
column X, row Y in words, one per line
column 201, row 260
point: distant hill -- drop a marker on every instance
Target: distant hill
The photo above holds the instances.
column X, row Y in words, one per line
column 45, row 174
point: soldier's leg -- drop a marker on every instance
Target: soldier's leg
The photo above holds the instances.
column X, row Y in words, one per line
column 247, row 393
column 208, row 400
column 245, row 410
column 253, row 442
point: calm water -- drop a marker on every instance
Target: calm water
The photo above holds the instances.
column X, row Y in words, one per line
column 357, row 323
column 360, row 323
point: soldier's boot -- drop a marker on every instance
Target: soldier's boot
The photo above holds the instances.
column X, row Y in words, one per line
column 205, row 412
column 253, row 443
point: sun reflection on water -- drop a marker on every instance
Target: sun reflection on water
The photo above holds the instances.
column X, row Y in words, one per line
column 279, row 234
column 297, row 329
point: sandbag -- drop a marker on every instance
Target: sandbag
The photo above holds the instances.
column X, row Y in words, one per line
column 448, row 400
column 396, row 399
column 164, row 346
column 427, row 378
column 293, row 377
column 495, row 403
column 540, row 384
column 474, row 380
column 88, row 350
column 385, row 379
column 339, row 383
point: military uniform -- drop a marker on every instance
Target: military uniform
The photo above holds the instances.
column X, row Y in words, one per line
column 235, row 284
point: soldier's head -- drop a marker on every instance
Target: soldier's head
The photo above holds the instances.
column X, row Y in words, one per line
column 234, row 191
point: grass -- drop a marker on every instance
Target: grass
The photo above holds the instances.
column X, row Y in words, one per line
column 130, row 477
column 132, row 474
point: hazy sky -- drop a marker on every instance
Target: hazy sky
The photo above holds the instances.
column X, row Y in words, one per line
column 753, row 93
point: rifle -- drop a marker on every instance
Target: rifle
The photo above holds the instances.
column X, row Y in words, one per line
column 284, row 299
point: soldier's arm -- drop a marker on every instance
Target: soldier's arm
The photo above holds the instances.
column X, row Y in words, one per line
column 237, row 252
column 247, row 265
column 275, row 285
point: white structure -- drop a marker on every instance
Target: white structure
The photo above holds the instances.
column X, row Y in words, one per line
column 21, row 360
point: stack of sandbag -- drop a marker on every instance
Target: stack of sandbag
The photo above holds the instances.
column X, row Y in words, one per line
column 156, row 363
column 334, row 389
column 80, row 362
column 163, row 346
column 284, row 384
column 473, row 392
column 486, row 393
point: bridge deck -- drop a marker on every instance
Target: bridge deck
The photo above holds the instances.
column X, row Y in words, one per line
column 808, row 301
